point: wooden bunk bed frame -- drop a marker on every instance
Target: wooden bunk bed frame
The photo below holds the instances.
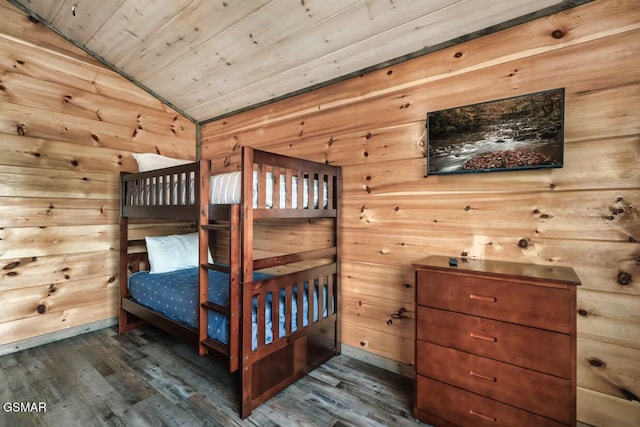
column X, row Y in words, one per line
column 268, row 368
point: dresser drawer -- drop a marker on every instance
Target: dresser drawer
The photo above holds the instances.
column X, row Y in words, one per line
column 531, row 348
column 537, row 392
column 538, row 306
column 464, row 408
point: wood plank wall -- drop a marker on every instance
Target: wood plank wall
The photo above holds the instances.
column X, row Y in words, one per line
column 68, row 126
column 584, row 215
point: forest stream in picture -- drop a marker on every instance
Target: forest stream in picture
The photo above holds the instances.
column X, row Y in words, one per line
column 522, row 132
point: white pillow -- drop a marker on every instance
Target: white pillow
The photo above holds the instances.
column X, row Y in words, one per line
column 175, row 252
column 151, row 161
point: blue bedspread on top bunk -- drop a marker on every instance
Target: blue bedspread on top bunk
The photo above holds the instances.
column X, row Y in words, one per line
column 175, row 295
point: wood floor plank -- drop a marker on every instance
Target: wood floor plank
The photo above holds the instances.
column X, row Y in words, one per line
column 147, row 378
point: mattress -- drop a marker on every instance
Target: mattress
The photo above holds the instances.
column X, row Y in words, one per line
column 227, row 188
column 175, row 295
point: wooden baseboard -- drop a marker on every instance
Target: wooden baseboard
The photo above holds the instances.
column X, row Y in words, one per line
column 379, row 361
column 56, row 336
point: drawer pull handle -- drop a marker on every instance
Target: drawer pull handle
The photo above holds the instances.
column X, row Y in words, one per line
column 484, row 417
column 483, row 298
column 483, row 337
column 484, row 377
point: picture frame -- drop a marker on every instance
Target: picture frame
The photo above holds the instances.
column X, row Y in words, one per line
column 520, row 132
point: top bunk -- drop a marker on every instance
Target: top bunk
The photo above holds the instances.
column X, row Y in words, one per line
column 268, row 185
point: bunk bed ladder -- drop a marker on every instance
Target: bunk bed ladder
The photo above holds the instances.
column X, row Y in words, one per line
column 233, row 270
column 208, row 229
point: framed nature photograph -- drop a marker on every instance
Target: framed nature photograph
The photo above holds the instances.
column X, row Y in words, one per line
column 522, row 132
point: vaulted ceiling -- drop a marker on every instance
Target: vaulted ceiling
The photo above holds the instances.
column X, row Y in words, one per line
column 208, row 58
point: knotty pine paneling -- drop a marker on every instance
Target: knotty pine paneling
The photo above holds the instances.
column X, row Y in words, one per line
column 68, row 126
column 607, row 368
column 30, row 121
column 16, row 181
column 20, row 242
column 36, row 93
column 32, row 302
column 610, row 317
column 387, row 345
column 584, row 215
column 605, row 215
column 606, row 410
column 379, row 314
column 396, row 283
column 24, row 211
column 32, row 33
column 58, row 67
column 52, row 154
column 22, row 273
column 54, row 321
column 171, row 42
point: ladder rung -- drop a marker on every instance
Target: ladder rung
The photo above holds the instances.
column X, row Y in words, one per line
column 219, row 347
column 217, row 267
column 215, row 227
column 216, row 307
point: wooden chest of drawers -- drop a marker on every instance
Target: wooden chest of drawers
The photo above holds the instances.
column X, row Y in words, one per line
column 495, row 344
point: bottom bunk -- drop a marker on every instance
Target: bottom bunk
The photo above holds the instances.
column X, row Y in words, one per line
column 271, row 357
column 174, row 295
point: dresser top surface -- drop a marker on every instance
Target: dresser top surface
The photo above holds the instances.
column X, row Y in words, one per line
column 502, row 268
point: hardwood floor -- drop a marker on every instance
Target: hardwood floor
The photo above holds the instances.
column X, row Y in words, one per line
column 146, row 378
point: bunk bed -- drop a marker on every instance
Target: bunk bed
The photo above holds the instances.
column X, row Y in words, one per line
column 275, row 327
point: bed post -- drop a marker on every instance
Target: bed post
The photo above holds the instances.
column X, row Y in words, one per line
column 247, row 278
column 123, row 316
column 124, row 248
column 338, row 226
column 203, row 175
column 235, row 302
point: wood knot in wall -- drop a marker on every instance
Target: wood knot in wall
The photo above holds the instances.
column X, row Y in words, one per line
column 624, row 278
column 399, row 315
column 596, row 363
column 12, row 265
column 524, row 243
column 629, row 395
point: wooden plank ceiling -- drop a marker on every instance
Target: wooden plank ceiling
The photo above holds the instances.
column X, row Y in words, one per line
column 208, row 58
